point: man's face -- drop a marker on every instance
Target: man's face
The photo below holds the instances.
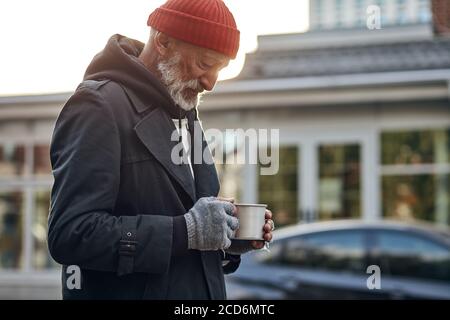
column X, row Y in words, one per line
column 189, row 70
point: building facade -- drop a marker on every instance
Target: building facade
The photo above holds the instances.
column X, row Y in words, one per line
column 339, row 14
column 364, row 123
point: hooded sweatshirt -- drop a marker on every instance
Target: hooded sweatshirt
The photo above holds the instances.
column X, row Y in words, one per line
column 119, row 62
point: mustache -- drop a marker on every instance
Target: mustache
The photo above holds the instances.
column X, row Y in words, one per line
column 171, row 76
column 194, row 85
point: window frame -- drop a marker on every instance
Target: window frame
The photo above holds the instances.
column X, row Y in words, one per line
column 27, row 184
column 434, row 169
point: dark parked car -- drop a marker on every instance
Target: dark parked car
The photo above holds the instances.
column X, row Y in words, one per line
column 330, row 260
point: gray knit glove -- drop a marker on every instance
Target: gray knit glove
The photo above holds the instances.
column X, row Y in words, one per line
column 210, row 224
column 239, row 247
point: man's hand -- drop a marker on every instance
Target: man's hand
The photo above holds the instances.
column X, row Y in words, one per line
column 210, row 224
column 268, row 228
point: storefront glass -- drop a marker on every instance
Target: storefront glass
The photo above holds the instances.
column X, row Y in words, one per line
column 41, row 161
column 11, row 217
column 416, row 175
column 280, row 191
column 41, row 255
column 340, row 181
column 12, row 160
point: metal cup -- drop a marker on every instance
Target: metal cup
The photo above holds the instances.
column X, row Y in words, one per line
column 252, row 218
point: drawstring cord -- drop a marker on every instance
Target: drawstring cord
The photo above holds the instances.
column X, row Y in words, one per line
column 190, row 129
column 180, row 137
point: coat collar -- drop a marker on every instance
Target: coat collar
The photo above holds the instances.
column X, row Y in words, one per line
column 155, row 130
column 141, row 104
column 138, row 105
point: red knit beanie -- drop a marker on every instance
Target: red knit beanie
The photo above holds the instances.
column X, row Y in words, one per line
column 204, row 23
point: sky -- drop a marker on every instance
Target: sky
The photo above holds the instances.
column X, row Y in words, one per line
column 46, row 45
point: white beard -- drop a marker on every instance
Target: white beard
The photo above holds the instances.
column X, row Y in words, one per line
column 170, row 76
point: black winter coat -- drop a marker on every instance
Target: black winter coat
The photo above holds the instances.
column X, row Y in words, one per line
column 118, row 200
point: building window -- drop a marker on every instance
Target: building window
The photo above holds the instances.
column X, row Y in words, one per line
column 415, row 147
column 361, row 16
column 317, row 13
column 416, row 175
column 280, row 191
column 424, row 11
column 41, row 256
column 409, row 197
column 402, row 12
column 383, row 12
column 229, row 157
column 339, row 11
column 339, row 185
column 12, row 160
column 41, row 163
column 24, row 194
column 230, row 178
column 11, row 220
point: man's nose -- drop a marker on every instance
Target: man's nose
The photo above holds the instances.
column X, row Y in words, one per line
column 208, row 81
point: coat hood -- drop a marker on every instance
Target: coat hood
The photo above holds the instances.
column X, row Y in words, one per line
column 119, row 62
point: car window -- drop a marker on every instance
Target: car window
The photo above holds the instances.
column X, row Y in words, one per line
column 340, row 240
column 407, row 254
column 405, row 243
column 332, row 250
column 272, row 255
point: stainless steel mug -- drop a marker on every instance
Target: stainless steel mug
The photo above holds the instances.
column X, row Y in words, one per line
column 252, row 218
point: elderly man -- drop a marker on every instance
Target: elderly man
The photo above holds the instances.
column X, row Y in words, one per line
column 135, row 224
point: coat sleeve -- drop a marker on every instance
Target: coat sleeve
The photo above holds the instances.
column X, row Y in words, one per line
column 82, row 230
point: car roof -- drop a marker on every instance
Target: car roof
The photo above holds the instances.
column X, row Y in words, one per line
column 355, row 224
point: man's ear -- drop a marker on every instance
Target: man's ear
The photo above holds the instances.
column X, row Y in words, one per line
column 162, row 43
